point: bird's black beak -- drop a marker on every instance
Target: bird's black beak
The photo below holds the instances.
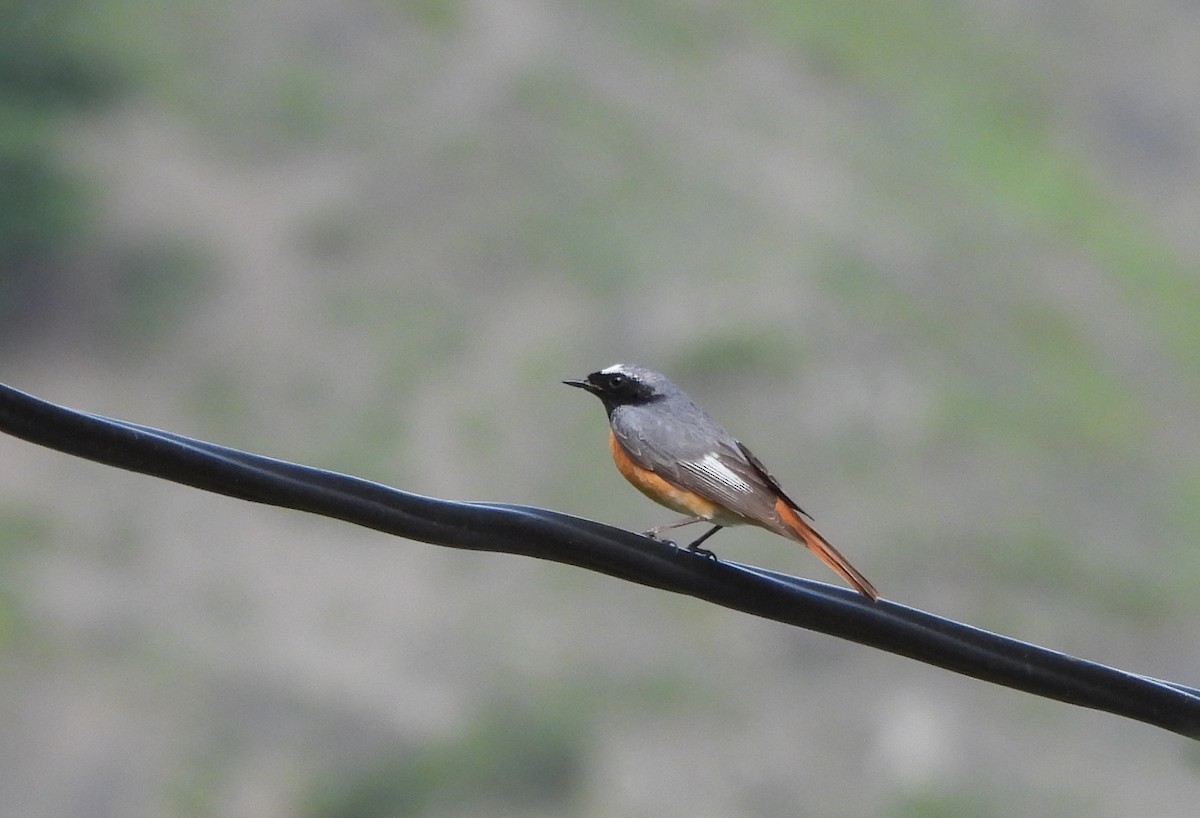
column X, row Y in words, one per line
column 584, row 384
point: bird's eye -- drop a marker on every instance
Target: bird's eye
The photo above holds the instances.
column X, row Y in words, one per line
column 616, row 381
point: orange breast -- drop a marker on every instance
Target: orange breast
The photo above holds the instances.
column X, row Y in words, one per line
column 658, row 489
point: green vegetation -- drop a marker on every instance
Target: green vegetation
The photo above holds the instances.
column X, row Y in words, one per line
column 523, row 756
column 973, row 109
column 44, row 74
column 21, row 531
column 942, row 804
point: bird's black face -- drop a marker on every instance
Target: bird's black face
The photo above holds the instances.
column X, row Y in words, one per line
column 618, row 386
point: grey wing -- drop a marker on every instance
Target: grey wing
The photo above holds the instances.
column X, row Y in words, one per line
column 705, row 459
column 766, row 475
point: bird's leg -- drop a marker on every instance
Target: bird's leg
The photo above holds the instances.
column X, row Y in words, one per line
column 695, row 546
column 654, row 532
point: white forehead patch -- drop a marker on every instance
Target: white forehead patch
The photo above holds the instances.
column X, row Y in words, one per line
column 711, row 467
column 615, row 368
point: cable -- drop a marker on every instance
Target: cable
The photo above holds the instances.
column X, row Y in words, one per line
column 551, row 535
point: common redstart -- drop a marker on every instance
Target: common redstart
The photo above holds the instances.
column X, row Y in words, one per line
column 678, row 456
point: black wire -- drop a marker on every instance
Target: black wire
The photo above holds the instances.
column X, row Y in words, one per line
column 551, row 535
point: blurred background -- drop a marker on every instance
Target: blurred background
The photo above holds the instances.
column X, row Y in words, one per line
column 936, row 263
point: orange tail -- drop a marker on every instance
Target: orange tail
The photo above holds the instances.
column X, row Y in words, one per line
column 829, row 555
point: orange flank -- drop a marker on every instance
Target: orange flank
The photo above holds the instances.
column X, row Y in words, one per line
column 801, row 531
column 658, row 489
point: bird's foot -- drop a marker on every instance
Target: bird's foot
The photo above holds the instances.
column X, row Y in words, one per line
column 704, row 552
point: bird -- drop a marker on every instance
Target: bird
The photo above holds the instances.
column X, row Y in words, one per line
column 672, row 451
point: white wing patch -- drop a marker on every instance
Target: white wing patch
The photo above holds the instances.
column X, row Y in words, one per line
column 711, row 467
